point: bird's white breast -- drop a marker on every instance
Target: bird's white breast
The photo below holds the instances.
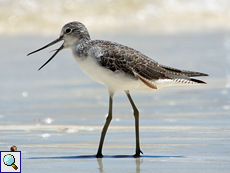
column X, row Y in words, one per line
column 114, row 81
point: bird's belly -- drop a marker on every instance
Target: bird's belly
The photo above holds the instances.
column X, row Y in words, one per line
column 114, row 81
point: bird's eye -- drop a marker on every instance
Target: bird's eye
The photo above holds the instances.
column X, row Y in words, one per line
column 68, row 30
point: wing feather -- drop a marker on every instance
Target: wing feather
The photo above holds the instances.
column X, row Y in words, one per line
column 117, row 57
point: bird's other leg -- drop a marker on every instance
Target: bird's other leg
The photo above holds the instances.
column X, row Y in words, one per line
column 136, row 116
column 104, row 130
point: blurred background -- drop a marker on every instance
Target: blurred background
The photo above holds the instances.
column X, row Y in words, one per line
column 60, row 111
column 142, row 16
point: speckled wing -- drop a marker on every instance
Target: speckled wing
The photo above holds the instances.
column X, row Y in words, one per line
column 117, row 57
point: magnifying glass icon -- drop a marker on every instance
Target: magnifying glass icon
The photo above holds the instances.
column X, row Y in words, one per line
column 9, row 160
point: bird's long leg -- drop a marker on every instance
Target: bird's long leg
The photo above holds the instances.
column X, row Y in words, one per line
column 108, row 120
column 136, row 116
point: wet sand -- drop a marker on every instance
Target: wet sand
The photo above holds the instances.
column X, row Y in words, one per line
column 55, row 116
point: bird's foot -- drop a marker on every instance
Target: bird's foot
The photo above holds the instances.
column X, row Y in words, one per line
column 99, row 155
column 138, row 153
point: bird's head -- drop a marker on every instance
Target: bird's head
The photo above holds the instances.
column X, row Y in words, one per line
column 71, row 33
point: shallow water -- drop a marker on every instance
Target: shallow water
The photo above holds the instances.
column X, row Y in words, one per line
column 55, row 116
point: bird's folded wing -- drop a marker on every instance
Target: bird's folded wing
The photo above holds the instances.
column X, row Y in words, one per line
column 182, row 72
column 117, row 57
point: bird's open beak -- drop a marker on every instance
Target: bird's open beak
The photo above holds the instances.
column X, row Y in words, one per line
column 48, row 45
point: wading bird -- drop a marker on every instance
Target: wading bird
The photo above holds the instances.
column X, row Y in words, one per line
column 118, row 67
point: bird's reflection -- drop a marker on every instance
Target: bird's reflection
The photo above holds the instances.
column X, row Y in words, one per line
column 138, row 162
column 99, row 161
